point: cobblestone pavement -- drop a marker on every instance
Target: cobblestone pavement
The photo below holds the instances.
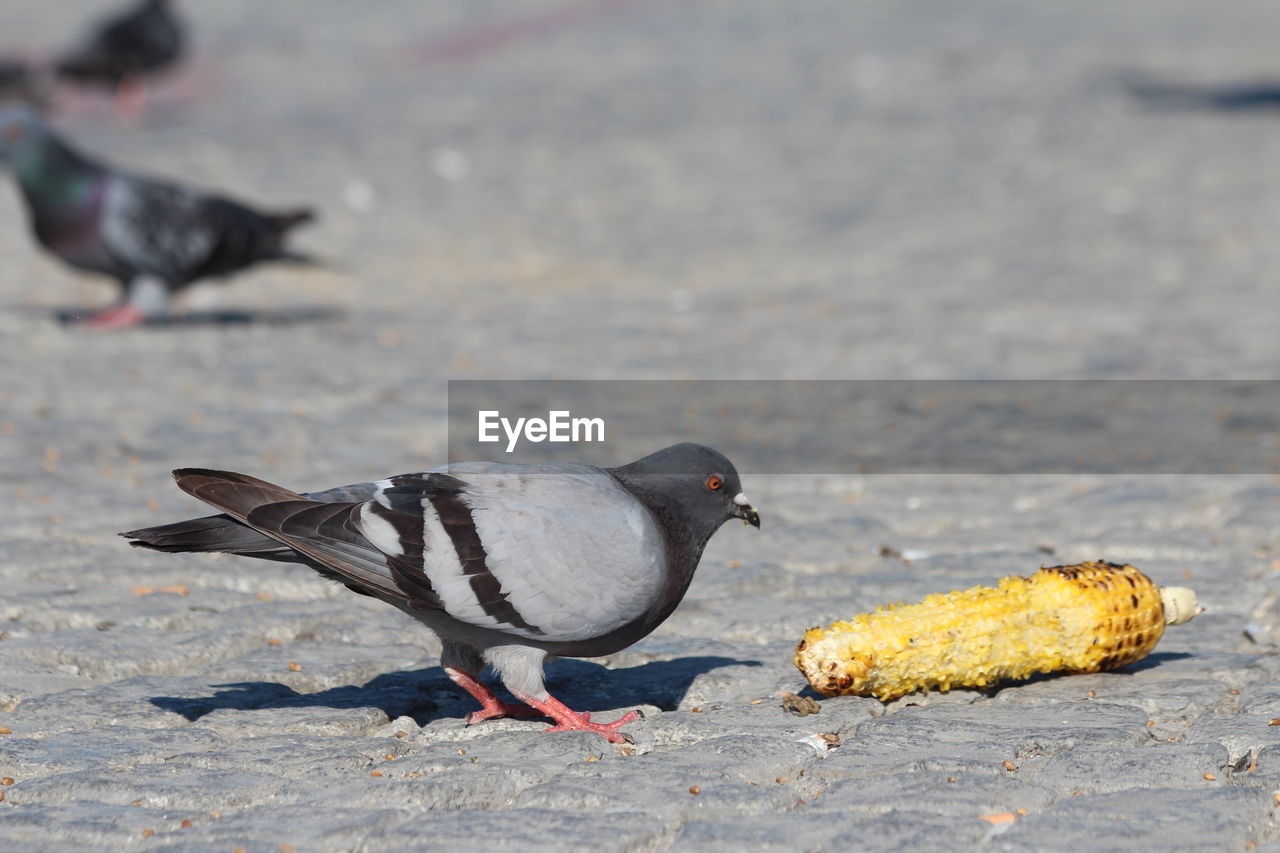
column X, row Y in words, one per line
column 601, row 188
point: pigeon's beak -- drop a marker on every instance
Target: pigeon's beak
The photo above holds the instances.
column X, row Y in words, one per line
column 745, row 511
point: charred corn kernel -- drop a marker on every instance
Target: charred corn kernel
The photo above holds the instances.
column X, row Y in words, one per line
column 1081, row 618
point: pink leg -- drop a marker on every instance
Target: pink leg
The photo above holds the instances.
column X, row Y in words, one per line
column 569, row 720
column 131, row 99
column 119, row 317
column 490, row 706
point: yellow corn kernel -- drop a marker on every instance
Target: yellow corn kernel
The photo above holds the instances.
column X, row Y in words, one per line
column 1081, row 618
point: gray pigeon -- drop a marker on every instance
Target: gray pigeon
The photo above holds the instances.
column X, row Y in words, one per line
column 506, row 563
column 153, row 237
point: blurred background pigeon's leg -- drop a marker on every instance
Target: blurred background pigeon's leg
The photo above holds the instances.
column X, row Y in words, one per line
column 146, row 298
column 131, row 98
column 462, row 665
column 117, row 317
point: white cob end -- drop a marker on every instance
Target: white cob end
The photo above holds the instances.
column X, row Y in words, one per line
column 1179, row 604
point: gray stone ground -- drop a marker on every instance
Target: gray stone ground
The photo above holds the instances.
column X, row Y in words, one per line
column 726, row 188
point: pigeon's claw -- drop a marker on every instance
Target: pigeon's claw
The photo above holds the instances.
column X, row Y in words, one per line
column 608, row 731
column 569, row 720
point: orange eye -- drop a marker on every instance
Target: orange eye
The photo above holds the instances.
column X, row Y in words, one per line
column 714, row 483
column 13, row 132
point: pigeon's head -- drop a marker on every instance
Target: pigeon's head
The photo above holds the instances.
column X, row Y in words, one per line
column 700, row 483
column 21, row 134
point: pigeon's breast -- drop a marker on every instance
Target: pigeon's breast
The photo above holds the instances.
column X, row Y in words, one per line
column 82, row 250
column 71, row 232
column 572, row 553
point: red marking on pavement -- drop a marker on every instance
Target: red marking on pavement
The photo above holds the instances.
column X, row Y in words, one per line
column 469, row 44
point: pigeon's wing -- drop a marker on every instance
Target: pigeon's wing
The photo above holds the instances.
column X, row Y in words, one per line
column 554, row 553
column 142, row 39
column 179, row 235
column 147, row 39
column 330, row 535
column 157, row 229
column 212, row 534
column 224, row 534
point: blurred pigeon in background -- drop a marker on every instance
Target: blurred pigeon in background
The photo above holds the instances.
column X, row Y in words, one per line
column 119, row 51
column 117, row 54
column 153, row 237
column 506, row 563
column 20, row 82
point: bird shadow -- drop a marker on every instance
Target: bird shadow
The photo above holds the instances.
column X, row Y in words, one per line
column 428, row 694
column 1232, row 97
column 74, row 317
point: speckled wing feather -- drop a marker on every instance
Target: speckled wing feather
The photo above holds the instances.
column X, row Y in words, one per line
column 157, row 229
column 179, row 235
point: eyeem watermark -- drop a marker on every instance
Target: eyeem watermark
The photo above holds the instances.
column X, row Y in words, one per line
column 824, row 427
column 559, row 426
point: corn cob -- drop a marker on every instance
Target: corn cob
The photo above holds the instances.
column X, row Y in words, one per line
column 1081, row 618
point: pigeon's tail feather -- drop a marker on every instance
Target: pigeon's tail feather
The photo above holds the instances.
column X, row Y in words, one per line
column 283, row 222
column 227, row 533
column 277, row 524
column 303, row 259
column 235, row 494
column 220, row 533
column 246, row 236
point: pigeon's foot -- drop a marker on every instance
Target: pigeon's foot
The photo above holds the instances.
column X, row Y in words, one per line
column 497, row 709
column 131, row 99
column 119, row 317
column 491, row 707
column 569, row 720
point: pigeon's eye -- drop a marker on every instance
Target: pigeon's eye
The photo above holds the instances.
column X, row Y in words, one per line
column 714, row 483
column 13, row 133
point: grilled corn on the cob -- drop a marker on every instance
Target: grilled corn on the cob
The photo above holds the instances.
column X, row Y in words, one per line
column 1081, row 618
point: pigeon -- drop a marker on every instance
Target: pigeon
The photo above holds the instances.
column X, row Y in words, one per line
column 152, row 236
column 506, row 563
column 119, row 50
